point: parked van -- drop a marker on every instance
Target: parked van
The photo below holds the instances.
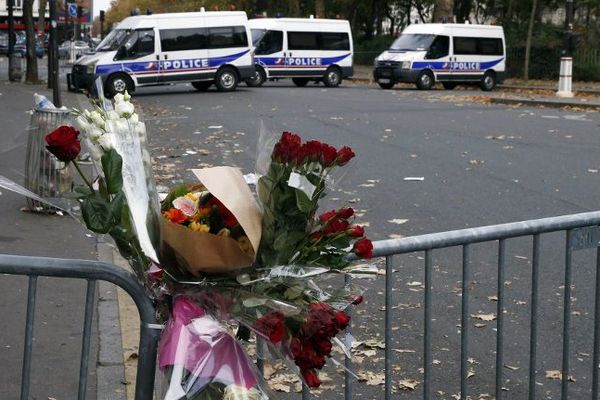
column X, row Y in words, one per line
column 303, row 49
column 200, row 47
column 449, row 53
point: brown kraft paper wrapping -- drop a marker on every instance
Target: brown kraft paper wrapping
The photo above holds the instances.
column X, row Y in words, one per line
column 197, row 252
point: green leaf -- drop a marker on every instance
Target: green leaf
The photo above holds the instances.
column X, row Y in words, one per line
column 102, row 189
column 112, row 165
column 116, row 206
column 96, row 214
column 303, row 202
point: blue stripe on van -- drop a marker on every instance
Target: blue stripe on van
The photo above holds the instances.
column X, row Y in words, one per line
column 183, row 65
column 299, row 62
column 440, row 66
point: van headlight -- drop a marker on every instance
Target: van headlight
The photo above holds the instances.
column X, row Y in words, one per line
column 90, row 68
column 405, row 64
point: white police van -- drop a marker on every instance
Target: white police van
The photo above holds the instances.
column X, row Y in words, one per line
column 446, row 53
column 200, row 47
column 303, row 49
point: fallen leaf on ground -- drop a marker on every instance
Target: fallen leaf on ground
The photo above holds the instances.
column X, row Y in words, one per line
column 408, row 384
column 484, row 317
column 398, row 221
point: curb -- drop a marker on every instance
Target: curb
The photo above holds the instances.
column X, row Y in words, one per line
column 110, row 371
column 544, row 103
column 589, row 92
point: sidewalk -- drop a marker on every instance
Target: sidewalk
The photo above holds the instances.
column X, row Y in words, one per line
column 60, row 302
column 515, row 94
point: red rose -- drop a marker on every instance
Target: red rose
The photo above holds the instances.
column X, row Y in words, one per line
column 345, row 212
column 63, row 143
column 335, row 226
column 311, row 378
column 327, row 216
column 313, row 149
column 175, row 215
column 272, row 325
column 318, row 361
column 295, row 347
column 356, row 299
column 328, row 155
column 316, row 236
column 342, row 319
column 324, row 347
column 363, row 248
column 344, row 155
column 356, row 231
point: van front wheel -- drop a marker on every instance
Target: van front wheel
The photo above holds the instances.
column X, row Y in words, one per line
column 488, row 82
column 388, row 85
column 117, row 83
column 425, row 80
column 226, row 79
column 258, row 79
column 333, row 77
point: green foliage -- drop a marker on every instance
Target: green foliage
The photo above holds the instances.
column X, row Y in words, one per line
column 112, row 163
column 586, row 72
column 366, row 49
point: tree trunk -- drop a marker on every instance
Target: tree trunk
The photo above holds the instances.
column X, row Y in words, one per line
column 443, row 11
column 462, row 10
column 41, row 22
column 31, row 75
column 528, row 41
column 320, row 8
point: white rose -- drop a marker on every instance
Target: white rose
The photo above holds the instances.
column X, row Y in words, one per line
column 107, row 141
column 118, row 98
column 97, row 119
column 82, row 123
column 95, row 151
column 235, row 392
column 112, row 115
column 94, row 132
column 134, row 118
column 124, row 108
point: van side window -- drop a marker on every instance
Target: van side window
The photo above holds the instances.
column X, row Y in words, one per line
column 465, row 45
column 478, row 46
column 271, row 42
column 183, row 39
column 227, row 36
column 439, row 48
column 334, row 41
column 303, row 40
column 490, row 47
column 139, row 43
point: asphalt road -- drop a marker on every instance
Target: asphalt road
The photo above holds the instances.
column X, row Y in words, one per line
column 480, row 164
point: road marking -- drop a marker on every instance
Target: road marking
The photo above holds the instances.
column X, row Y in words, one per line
column 551, row 116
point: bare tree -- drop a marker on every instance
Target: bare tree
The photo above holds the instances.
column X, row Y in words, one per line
column 31, row 74
column 320, row 8
column 443, row 11
column 528, row 40
column 41, row 24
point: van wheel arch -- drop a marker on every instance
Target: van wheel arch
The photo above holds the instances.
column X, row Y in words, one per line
column 261, row 74
column 113, row 79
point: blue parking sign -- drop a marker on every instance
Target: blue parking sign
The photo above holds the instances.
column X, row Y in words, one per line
column 72, row 9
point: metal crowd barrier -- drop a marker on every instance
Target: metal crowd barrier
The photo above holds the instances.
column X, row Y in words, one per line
column 582, row 232
column 92, row 272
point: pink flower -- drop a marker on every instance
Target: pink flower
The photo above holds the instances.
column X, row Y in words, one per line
column 186, row 205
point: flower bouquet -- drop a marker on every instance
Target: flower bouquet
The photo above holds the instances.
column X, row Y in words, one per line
column 219, row 265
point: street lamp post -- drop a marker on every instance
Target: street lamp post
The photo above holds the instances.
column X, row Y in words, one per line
column 14, row 69
column 53, row 44
column 565, row 80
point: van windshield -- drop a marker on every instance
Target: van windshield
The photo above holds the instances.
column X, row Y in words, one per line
column 113, row 40
column 412, row 42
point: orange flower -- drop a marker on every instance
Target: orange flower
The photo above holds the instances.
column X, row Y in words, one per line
column 175, row 216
